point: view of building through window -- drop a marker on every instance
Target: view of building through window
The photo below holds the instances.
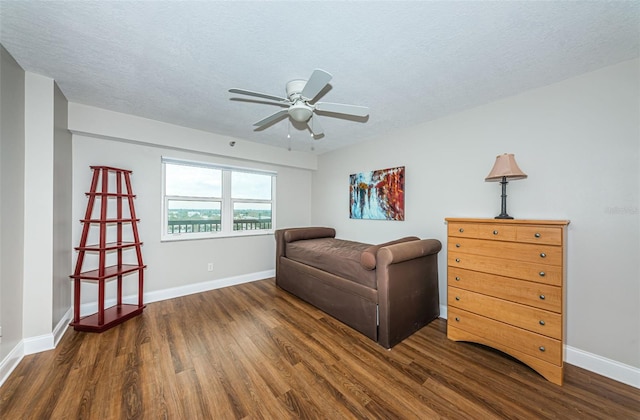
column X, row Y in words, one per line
column 251, row 195
column 202, row 200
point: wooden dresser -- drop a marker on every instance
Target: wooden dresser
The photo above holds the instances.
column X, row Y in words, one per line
column 506, row 288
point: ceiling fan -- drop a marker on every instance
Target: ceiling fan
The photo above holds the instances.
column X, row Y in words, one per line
column 300, row 94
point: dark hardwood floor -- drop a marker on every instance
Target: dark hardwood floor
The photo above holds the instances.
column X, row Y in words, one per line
column 254, row 351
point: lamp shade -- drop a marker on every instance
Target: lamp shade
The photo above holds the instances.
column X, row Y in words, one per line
column 505, row 167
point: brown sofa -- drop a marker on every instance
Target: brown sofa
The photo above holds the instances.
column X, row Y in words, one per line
column 386, row 291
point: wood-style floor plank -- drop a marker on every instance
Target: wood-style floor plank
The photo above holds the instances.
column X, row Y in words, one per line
column 255, row 351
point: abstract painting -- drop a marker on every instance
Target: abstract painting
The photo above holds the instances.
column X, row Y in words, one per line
column 377, row 195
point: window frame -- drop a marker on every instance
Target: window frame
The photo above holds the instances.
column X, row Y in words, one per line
column 226, row 202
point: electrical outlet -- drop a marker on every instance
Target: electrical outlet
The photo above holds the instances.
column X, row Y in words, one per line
column 210, row 267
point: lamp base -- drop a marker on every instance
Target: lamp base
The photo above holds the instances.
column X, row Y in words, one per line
column 503, row 209
column 503, row 216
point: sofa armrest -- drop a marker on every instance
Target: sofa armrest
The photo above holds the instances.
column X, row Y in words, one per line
column 399, row 252
column 300, row 234
column 369, row 255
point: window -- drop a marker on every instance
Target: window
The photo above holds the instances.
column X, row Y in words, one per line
column 202, row 200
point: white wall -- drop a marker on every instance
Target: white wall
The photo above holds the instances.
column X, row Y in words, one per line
column 579, row 142
column 47, row 215
column 96, row 122
column 62, row 222
column 178, row 267
column 34, row 214
column 11, row 205
column 38, row 205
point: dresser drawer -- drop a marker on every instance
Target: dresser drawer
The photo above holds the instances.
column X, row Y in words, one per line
column 541, row 273
column 496, row 232
column 545, row 254
column 539, row 235
column 532, row 319
column 464, row 230
column 529, row 293
column 482, row 231
column 530, row 343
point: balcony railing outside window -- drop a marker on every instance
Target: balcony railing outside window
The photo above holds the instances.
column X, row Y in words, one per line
column 197, row 226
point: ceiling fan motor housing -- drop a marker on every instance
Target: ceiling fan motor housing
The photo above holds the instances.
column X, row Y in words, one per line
column 294, row 88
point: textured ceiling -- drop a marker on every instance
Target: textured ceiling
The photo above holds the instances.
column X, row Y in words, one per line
column 409, row 62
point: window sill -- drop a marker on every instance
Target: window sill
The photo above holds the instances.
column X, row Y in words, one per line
column 220, row 235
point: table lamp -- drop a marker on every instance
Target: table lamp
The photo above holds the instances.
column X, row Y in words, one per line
column 505, row 169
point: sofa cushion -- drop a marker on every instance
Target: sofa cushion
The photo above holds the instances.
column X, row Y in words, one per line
column 368, row 256
column 337, row 256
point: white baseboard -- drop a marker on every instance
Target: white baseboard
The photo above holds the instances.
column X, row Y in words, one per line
column 206, row 286
column 60, row 329
column 601, row 365
column 48, row 341
column 10, row 362
column 38, row 343
column 33, row 345
column 612, row 369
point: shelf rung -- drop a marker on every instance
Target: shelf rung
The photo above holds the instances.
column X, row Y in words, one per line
column 111, row 271
column 111, row 168
column 109, row 246
column 109, row 194
column 107, row 221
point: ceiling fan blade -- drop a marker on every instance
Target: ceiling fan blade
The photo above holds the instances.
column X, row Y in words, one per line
column 358, row 111
column 317, row 82
column 314, row 126
column 272, row 118
column 258, row 94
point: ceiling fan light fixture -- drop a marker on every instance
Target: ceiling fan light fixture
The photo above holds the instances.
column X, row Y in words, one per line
column 300, row 112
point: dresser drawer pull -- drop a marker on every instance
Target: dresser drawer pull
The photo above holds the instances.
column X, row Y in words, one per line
column 543, row 255
column 542, row 297
column 541, row 348
column 457, row 319
column 495, row 232
column 457, row 278
column 457, row 297
column 541, row 274
column 461, row 230
column 542, row 322
column 457, row 245
column 457, row 259
column 537, row 235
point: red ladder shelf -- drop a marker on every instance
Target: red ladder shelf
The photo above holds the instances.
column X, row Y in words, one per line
column 120, row 312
